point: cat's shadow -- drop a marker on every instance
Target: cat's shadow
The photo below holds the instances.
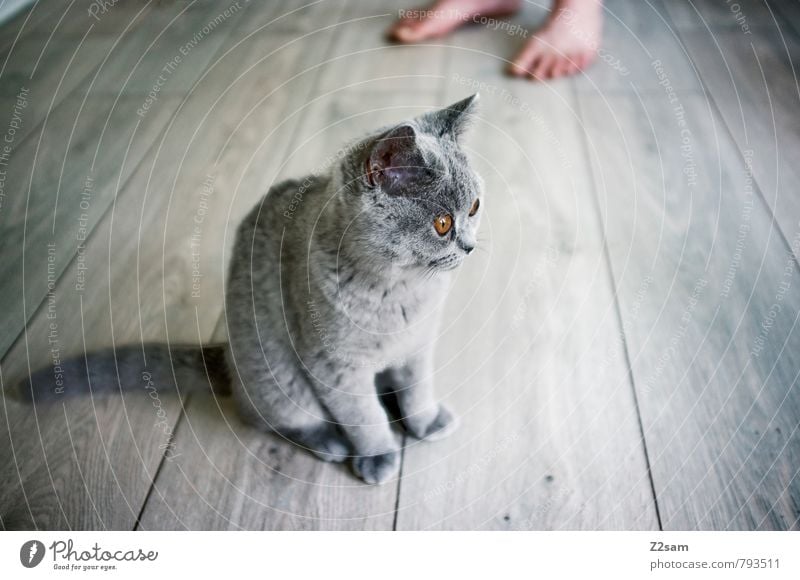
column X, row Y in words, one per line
column 215, row 422
column 216, row 427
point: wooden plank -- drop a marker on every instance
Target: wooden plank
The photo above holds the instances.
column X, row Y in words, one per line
column 635, row 35
column 331, row 121
column 181, row 40
column 100, row 477
column 110, row 20
column 744, row 14
column 59, row 446
column 714, row 361
column 530, row 354
column 72, row 19
column 82, row 464
column 58, row 189
column 63, row 67
column 751, row 79
column 226, row 475
column 81, row 54
column 56, row 58
column 790, row 11
column 83, row 145
column 300, row 17
column 26, row 20
column 362, row 55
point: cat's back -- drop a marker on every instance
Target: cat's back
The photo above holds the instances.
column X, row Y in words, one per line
column 267, row 237
column 279, row 212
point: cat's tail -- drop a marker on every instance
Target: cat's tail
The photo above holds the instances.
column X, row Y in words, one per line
column 160, row 367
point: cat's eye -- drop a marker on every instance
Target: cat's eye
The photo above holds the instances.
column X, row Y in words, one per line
column 475, row 205
column 442, row 224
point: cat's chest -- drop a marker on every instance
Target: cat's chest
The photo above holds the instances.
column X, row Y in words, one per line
column 363, row 314
column 389, row 308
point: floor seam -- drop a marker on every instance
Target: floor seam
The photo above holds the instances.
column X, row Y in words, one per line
column 170, row 441
column 617, row 308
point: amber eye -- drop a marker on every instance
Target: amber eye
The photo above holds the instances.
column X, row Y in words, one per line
column 475, row 205
column 443, row 223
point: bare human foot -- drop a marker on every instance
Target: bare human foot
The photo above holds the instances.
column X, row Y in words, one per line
column 567, row 43
column 444, row 16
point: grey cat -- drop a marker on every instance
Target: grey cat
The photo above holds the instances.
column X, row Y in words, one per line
column 333, row 295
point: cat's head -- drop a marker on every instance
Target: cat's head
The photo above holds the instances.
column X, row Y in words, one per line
column 419, row 200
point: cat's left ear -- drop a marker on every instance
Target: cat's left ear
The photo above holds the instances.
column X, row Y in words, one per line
column 395, row 160
column 453, row 120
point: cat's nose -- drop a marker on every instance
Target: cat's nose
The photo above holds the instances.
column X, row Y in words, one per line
column 467, row 247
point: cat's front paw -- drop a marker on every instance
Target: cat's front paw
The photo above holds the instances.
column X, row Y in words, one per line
column 377, row 469
column 443, row 424
column 332, row 449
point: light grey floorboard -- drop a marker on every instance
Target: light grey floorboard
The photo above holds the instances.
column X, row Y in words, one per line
column 91, row 143
column 702, row 276
column 636, row 37
column 59, row 57
column 752, row 81
column 103, row 480
column 63, row 189
column 699, row 14
column 27, row 20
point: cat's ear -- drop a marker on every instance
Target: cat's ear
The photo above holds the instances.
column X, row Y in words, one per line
column 455, row 119
column 394, row 159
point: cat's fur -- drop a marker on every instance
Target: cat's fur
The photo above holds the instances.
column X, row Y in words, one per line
column 335, row 286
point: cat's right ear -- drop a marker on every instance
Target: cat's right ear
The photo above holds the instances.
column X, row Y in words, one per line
column 452, row 120
column 394, row 159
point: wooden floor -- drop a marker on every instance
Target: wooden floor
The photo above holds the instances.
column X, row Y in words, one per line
column 623, row 353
